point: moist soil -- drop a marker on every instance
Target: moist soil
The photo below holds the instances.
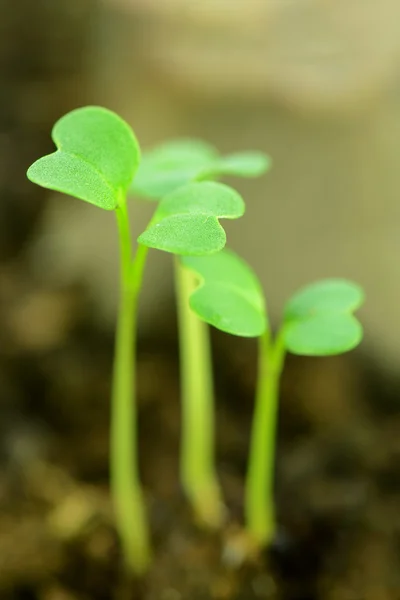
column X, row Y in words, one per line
column 337, row 468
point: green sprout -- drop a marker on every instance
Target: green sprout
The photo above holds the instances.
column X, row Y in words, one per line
column 166, row 168
column 318, row 321
column 96, row 160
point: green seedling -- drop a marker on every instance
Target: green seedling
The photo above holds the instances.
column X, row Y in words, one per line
column 96, row 160
column 162, row 170
column 317, row 321
column 174, row 164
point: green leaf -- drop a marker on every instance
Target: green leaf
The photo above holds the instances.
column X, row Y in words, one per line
column 180, row 162
column 241, row 164
column 96, row 159
column 323, row 335
column 229, row 295
column 318, row 320
column 170, row 166
column 329, row 295
column 185, row 234
column 186, row 221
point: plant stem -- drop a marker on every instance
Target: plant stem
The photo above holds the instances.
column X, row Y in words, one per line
column 259, row 486
column 198, row 475
column 130, row 514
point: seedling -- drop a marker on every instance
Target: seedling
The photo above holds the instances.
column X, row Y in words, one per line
column 317, row 321
column 174, row 164
column 162, row 170
column 96, row 161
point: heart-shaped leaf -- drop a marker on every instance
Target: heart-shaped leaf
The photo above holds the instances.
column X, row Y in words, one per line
column 96, row 159
column 328, row 295
column 229, row 295
column 318, row 320
column 170, row 166
column 323, row 335
column 180, row 162
column 186, row 221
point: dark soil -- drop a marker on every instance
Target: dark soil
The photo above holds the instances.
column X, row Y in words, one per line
column 338, row 479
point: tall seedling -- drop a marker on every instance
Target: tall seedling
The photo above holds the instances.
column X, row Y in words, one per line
column 162, row 170
column 96, row 160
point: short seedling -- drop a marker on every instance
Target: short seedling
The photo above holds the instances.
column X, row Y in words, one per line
column 97, row 159
column 318, row 321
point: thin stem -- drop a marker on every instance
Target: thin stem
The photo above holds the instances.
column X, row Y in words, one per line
column 131, row 518
column 198, row 475
column 259, row 486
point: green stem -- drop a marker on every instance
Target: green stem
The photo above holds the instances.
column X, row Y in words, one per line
column 130, row 514
column 259, row 486
column 198, row 475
